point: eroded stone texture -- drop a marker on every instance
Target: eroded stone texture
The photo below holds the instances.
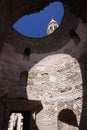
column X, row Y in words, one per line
column 57, row 74
column 56, row 80
column 54, row 77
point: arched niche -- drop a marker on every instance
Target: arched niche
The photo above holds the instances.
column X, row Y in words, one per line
column 26, row 54
column 23, row 78
column 67, row 120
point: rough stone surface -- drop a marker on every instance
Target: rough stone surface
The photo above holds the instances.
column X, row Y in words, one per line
column 54, row 76
column 56, row 79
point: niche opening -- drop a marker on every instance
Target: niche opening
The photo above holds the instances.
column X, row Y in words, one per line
column 23, row 78
column 26, row 54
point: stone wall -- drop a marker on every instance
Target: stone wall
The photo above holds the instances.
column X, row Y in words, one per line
column 54, row 77
column 54, row 73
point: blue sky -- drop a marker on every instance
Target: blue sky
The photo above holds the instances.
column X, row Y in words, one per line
column 35, row 25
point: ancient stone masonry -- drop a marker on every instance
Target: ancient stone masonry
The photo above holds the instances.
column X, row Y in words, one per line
column 43, row 81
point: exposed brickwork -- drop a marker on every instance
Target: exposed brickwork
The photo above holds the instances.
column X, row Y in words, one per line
column 54, row 78
column 55, row 83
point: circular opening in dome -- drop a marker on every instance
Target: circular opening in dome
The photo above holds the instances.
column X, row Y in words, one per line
column 41, row 24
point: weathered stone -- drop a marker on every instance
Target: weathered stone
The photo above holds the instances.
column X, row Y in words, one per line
column 54, row 73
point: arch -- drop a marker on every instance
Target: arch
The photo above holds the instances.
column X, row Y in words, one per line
column 26, row 54
column 67, row 119
column 23, row 78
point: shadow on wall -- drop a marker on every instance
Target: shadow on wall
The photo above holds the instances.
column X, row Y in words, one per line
column 66, row 117
column 34, row 125
column 63, row 116
column 20, row 114
column 83, row 65
column 68, row 120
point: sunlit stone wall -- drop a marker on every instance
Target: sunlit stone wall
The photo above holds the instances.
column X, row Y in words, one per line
column 54, row 78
